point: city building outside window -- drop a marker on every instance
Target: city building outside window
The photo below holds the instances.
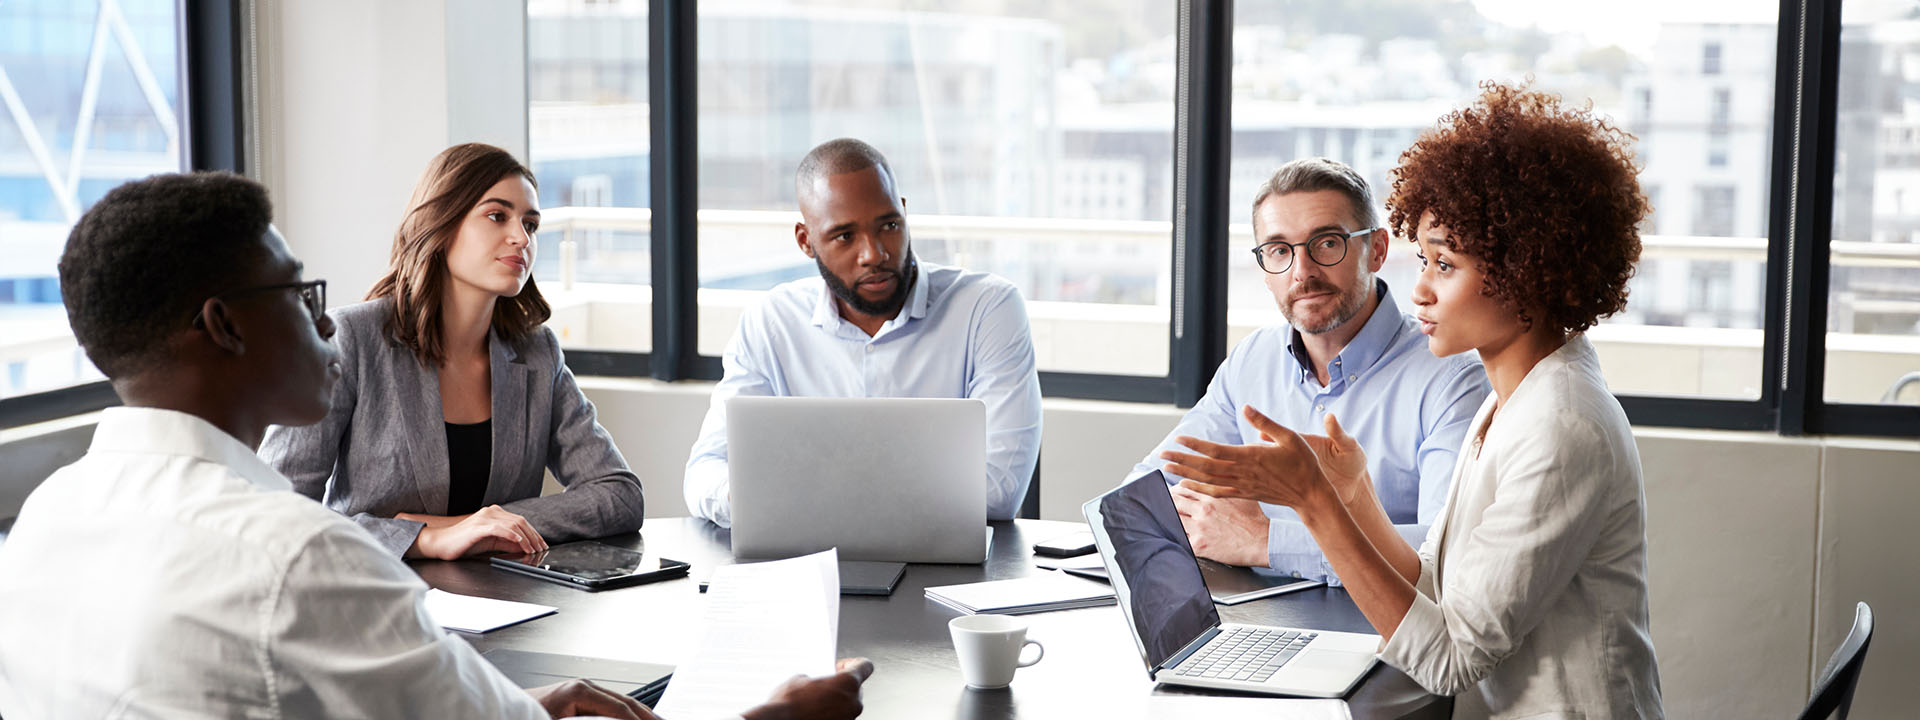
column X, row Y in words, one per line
column 1873, row 292
column 89, row 99
column 1339, row 81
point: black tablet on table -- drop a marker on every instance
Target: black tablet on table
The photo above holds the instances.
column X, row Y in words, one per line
column 590, row 565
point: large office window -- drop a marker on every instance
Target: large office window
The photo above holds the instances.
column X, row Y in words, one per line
column 1341, row 81
column 1031, row 140
column 89, row 98
column 1873, row 301
column 587, row 128
column 1038, row 141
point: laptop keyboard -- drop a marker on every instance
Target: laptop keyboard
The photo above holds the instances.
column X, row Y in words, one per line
column 1242, row 653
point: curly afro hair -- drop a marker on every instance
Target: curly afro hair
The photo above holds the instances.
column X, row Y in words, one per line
column 1543, row 195
column 141, row 261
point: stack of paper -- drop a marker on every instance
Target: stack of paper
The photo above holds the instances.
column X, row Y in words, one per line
column 1072, row 563
column 467, row 613
column 766, row 622
column 1031, row 594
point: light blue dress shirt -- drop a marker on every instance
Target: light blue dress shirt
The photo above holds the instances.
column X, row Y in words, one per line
column 961, row 335
column 1408, row 409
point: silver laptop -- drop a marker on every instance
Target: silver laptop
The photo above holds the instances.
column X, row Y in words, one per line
column 1179, row 634
column 893, row 479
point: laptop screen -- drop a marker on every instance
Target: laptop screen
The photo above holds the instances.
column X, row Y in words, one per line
column 1155, row 576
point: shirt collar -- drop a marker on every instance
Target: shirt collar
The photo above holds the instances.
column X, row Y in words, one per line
column 1366, row 347
column 826, row 312
column 920, row 297
column 170, row 432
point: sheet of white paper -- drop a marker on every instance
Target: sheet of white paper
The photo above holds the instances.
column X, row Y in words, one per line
column 467, row 613
column 765, row 623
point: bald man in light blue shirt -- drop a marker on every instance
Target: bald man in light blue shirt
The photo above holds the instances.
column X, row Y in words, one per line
column 877, row 323
column 1346, row 350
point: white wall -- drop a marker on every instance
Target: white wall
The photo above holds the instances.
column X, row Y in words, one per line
column 357, row 95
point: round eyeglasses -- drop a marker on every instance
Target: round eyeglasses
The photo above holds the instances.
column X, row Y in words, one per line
column 1325, row 249
column 313, row 296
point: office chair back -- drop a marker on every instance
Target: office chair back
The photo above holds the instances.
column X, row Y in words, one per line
column 1030, row 505
column 1834, row 695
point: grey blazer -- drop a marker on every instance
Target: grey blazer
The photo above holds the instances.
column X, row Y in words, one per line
column 382, row 449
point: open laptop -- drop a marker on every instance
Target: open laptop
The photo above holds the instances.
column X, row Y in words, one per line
column 890, row 479
column 1167, row 607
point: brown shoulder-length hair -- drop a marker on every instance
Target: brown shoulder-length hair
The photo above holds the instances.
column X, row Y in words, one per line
column 455, row 181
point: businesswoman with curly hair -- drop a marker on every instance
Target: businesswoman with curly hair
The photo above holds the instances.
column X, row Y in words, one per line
column 455, row 399
column 1529, row 596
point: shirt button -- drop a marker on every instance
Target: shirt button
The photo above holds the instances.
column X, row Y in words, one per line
column 1321, row 408
column 869, row 348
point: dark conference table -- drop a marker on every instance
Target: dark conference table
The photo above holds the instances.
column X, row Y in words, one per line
column 1091, row 668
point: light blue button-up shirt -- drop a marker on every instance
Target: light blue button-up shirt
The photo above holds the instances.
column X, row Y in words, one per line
column 1408, row 409
column 961, row 335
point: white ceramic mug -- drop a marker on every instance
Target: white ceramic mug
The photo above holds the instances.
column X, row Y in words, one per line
column 990, row 647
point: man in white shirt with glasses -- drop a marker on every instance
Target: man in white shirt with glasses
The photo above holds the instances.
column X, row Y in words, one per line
column 169, row 572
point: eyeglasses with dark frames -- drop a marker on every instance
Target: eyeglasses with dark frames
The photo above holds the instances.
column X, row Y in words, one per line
column 1325, row 249
column 313, row 294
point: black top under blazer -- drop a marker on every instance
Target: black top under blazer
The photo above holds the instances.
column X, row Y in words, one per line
column 382, row 449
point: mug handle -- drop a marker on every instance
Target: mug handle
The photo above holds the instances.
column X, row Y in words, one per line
column 1036, row 657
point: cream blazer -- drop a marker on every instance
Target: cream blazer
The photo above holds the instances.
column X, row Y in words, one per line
column 1532, row 595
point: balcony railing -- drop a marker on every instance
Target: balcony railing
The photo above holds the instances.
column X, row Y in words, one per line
column 1083, row 336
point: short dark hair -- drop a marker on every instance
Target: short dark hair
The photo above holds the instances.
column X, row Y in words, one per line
column 140, row 262
column 1319, row 174
column 1545, row 196
column 833, row 157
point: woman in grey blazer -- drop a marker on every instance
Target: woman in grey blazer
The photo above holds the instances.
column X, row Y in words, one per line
column 454, row 397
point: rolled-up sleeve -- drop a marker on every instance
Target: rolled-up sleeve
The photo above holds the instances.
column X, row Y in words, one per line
column 1448, row 414
column 1215, row 418
column 705, row 484
column 1516, row 563
column 1003, row 376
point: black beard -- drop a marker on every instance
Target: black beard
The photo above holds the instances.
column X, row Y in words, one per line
column 887, row 306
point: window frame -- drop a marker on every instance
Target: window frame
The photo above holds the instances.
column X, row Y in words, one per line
column 212, row 109
column 1794, row 347
column 1791, row 400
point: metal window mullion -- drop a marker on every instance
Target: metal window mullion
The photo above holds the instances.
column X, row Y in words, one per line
column 1202, row 142
column 212, row 101
column 674, row 164
column 1804, row 317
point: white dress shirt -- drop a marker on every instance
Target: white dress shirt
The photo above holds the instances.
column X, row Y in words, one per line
column 1532, row 597
column 961, row 335
column 170, row 573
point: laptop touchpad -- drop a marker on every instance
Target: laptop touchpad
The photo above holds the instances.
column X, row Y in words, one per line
column 1315, row 666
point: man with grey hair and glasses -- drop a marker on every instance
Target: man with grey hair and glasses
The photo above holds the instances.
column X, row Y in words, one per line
column 1346, row 351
